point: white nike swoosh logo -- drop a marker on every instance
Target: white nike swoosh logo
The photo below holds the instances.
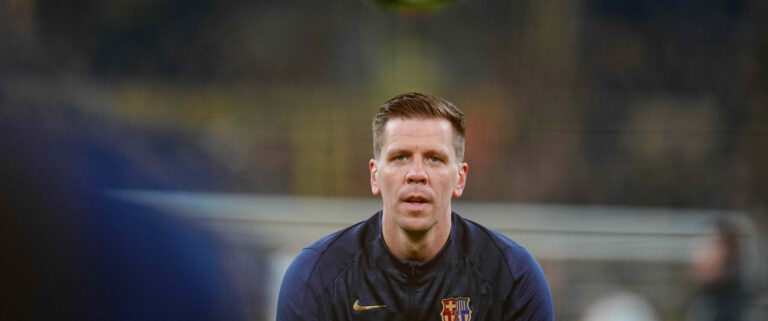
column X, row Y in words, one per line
column 358, row 307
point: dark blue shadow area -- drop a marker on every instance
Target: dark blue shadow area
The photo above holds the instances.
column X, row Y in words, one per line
column 71, row 253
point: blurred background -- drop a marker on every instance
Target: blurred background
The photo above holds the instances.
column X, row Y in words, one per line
column 167, row 159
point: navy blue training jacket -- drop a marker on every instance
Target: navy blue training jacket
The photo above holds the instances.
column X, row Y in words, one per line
column 351, row 275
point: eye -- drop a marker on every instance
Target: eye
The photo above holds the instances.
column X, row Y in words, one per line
column 399, row 158
column 435, row 159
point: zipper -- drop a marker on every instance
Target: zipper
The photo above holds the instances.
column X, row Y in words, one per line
column 411, row 291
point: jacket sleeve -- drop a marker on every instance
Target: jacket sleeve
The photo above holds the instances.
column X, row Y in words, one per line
column 529, row 299
column 295, row 300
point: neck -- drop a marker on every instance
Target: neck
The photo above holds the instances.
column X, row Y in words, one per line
column 420, row 246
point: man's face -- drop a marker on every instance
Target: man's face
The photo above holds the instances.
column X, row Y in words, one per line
column 417, row 172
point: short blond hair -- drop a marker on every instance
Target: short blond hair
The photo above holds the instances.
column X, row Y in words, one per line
column 418, row 105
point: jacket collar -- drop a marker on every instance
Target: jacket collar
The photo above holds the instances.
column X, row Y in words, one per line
column 407, row 270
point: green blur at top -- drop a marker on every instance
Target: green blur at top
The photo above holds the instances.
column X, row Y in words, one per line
column 413, row 6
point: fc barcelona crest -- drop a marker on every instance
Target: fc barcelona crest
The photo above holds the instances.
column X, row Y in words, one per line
column 456, row 309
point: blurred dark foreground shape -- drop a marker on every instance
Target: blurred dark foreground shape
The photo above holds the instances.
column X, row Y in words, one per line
column 70, row 253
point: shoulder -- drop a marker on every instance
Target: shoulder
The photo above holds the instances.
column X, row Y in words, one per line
column 499, row 257
column 329, row 254
column 317, row 264
column 513, row 268
column 518, row 259
column 484, row 244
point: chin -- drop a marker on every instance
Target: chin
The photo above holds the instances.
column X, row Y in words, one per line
column 416, row 224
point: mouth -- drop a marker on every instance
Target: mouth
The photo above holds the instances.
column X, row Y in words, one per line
column 416, row 202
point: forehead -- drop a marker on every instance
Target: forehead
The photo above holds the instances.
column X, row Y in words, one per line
column 404, row 131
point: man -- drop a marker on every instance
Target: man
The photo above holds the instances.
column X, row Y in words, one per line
column 415, row 259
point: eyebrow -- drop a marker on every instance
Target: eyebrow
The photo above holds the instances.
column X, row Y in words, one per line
column 398, row 151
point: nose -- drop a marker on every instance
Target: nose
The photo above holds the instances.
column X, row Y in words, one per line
column 416, row 174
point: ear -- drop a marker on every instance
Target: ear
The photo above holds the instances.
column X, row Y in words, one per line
column 374, row 184
column 463, row 168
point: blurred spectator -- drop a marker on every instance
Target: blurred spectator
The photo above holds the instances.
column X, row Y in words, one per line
column 716, row 269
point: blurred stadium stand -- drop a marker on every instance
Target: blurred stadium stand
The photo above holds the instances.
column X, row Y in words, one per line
column 603, row 134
